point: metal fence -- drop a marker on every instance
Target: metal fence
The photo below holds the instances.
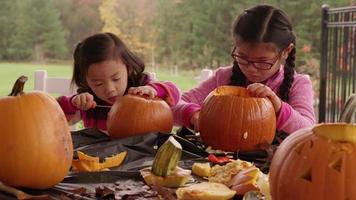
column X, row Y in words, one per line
column 338, row 60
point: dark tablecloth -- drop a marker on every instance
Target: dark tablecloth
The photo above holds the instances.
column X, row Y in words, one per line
column 141, row 151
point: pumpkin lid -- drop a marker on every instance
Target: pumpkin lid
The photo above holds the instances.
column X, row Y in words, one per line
column 344, row 131
column 227, row 90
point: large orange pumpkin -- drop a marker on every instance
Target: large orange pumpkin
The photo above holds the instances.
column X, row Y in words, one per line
column 35, row 143
column 316, row 163
column 136, row 115
column 232, row 120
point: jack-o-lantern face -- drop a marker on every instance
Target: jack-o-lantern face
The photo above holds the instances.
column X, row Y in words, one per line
column 316, row 163
column 232, row 120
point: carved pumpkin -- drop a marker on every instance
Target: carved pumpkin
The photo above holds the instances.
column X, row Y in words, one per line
column 232, row 120
column 35, row 143
column 316, row 163
column 136, row 115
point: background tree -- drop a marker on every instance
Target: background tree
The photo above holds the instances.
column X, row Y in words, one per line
column 38, row 32
column 131, row 20
column 7, row 25
column 175, row 33
column 80, row 18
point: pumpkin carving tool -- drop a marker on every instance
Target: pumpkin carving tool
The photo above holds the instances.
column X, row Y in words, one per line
column 20, row 194
column 102, row 106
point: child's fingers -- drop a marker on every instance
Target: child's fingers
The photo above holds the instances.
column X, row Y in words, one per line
column 93, row 105
column 75, row 101
column 89, row 101
column 132, row 90
column 84, row 101
column 257, row 89
column 143, row 90
column 253, row 87
column 260, row 90
column 151, row 93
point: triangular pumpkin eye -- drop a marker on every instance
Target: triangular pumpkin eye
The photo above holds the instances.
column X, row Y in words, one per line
column 336, row 164
column 307, row 175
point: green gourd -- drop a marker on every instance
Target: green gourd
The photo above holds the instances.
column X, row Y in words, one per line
column 167, row 158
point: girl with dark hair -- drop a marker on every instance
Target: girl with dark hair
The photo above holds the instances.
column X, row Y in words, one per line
column 104, row 69
column 263, row 61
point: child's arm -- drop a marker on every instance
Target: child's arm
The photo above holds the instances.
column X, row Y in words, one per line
column 71, row 112
column 298, row 112
column 186, row 112
column 167, row 91
column 71, row 105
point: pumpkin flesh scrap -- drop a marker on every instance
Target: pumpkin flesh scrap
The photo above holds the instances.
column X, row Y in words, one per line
column 86, row 163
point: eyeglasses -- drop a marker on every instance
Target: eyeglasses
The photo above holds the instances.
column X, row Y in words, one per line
column 258, row 65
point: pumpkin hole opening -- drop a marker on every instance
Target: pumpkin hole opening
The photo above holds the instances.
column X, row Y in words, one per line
column 307, row 175
column 336, row 164
column 228, row 91
column 340, row 132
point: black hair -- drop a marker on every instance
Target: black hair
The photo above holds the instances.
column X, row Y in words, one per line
column 100, row 47
column 265, row 23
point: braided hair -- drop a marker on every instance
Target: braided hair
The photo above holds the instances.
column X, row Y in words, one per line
column 265, row 23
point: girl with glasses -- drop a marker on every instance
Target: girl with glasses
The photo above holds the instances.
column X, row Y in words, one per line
column 264, row 62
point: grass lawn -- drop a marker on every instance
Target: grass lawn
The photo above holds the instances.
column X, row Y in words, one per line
column 9, row 72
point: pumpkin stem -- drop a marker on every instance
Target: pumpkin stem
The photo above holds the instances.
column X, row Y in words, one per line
column 18, row 87
column 349, row 109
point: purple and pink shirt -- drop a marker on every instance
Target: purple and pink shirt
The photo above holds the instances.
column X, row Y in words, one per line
column 297, row 113
column 96, row 118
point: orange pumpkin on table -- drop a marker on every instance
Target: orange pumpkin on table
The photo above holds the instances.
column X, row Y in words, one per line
column 317, row 163
column 232, row 120
column 133, row 115
column 36, row 147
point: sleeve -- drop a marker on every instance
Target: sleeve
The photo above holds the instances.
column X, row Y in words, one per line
column 299, row 111
column 66, row 104
column 192, row 101
column 167, row 91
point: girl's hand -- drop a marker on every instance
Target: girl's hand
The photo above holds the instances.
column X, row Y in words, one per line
column 143, row 90
column 195, row 121
column 84, row 101
column 261, row 90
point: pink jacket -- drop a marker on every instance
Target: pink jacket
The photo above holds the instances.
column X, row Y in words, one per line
column 297, row 113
